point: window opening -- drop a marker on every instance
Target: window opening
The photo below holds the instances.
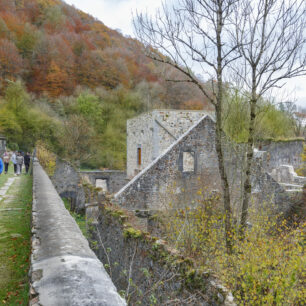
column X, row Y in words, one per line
column 102, row 183
column 188, row 161
column 139, row 156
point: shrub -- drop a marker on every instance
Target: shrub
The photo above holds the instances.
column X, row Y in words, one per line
column 266, row 268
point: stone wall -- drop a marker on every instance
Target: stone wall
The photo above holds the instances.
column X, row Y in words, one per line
column 114, row 180
column 64, row 270
column 154, row 132
column 139, row 135
column 165, row 180
column 145, row 269
column 283, row 153
column 67, row 183
column 190, row 166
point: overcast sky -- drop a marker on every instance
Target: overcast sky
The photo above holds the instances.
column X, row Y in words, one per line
column 117, row 14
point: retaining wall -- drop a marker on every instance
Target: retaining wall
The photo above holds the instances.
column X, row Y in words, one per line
column 144, row 268
column 67, row 183
column 64, row 270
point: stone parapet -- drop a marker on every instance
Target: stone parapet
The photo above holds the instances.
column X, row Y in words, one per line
column 64, row 270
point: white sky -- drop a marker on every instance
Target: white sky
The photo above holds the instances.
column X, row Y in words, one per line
column 117, row 14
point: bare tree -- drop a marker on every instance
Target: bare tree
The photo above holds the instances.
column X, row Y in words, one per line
column 77, row 139
column 271, row 39
column 194, row 33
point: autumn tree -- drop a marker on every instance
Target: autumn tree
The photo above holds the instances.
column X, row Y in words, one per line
column 76, row 139
column 56, row 80
column 11, row 63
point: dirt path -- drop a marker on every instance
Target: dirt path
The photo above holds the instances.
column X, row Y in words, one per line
column 15, row 218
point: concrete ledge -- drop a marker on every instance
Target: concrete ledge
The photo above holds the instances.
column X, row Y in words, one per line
column 64, row 270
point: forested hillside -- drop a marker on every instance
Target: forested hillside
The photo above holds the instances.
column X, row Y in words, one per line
column 54, row 47
column 63, row 71
column 70, row 82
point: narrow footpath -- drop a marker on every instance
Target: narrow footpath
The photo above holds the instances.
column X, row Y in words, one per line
column 15, row 234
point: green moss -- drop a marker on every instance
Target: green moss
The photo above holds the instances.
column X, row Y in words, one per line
column 131, row 232
column 79, row 218
column 155, row 217
column 194, row 280
column 117, row 214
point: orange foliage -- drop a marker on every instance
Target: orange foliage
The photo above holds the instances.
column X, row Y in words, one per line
column 10, row 61
column 57, row 79
column 60, row 47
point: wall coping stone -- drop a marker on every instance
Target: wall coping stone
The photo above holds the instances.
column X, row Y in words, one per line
column 64, row 270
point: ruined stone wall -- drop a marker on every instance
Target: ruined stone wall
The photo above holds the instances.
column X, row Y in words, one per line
column 171, row 180
column 283, row 153
column 145, row 269
column 114, row 179
column 165, row 181
column 139, row 135
column 154, row 132
column 173, row 124
column 67, row 183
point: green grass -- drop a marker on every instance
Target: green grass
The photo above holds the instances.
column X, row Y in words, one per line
column 4, row 177
column 15, row 246
column 79, row 219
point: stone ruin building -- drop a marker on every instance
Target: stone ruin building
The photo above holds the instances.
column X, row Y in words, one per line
column 171, row 156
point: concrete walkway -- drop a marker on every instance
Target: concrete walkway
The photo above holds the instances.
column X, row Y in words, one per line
column 6, row 187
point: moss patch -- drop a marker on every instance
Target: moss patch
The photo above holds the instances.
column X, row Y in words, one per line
column 131, row 232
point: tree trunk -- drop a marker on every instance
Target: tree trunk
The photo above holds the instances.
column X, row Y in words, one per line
column 218, row 108
column 224, row 184
column 247, row 187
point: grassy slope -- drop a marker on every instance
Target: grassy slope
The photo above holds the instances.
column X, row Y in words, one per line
column 15, row 234
column 79, row 219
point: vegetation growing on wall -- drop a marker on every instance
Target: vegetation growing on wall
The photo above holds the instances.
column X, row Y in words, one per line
column 154, row 266
column 265, row 269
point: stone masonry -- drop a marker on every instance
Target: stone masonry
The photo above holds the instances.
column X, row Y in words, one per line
column 171, row 174
column 64, row 270
column 190, row 165
column 150, row 134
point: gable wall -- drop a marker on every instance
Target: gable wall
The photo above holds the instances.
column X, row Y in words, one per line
column 165, row 182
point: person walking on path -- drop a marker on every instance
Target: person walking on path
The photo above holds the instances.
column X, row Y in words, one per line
column 14, row 161
column 6, row 161
column 1, row 165
column 27, row 160
column 19, row 160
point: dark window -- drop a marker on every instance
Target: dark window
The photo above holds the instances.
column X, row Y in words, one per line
column 139, row 156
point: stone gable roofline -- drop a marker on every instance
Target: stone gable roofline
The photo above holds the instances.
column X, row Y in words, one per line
column 157, row 111
column 132, row 181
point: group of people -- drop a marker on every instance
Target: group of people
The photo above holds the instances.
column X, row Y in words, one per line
column 18, row 159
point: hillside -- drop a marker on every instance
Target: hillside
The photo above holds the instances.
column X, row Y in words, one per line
column 70, row 83
column 54, row 47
